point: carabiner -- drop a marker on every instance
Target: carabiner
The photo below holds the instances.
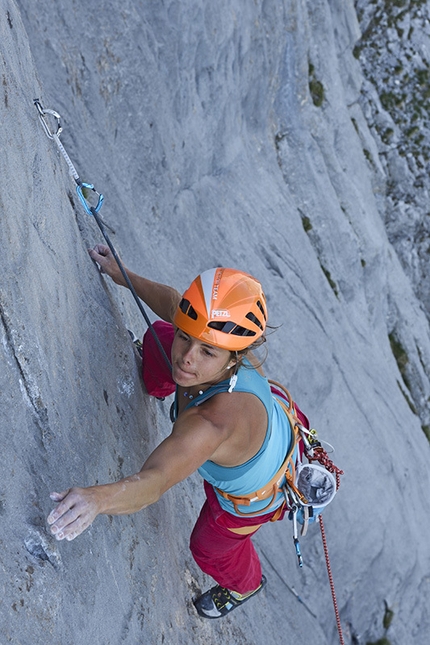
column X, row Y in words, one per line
column 89, row 209
column 295, row 537
column 291, row 497
column 298, row 552
column 42, row 112
column 313, row 438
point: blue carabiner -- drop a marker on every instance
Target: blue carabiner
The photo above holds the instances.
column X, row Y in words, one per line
column 85, row 204
column 298, row 552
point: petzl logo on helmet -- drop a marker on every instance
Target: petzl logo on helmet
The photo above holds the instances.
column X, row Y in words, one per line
column 220, row 313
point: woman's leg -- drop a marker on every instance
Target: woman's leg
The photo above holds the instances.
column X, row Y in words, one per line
column 155, row 372
column 228, row 557
column 222, row 547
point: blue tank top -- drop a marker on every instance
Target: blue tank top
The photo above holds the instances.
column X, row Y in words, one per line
column 259, row 470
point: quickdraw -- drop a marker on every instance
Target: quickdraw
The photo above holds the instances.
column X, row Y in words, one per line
column 83, row 190
column 55, row 136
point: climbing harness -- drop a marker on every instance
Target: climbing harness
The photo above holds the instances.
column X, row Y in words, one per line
column 307, row 488
column 298, row 484
column 84, row 189
column 273, row 487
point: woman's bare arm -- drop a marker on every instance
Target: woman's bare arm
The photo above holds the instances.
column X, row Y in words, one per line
column 162, row 299
column 194, row 439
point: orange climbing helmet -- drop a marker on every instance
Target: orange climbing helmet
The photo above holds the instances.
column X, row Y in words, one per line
column 225, row 308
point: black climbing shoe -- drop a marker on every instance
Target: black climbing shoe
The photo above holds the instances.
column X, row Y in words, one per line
column 136, row 342
column 219, row 601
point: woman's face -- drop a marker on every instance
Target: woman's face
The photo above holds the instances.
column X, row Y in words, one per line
column 195, row 362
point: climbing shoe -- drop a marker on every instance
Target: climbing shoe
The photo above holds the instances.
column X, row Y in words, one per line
column 219, row 601
column 136, row 342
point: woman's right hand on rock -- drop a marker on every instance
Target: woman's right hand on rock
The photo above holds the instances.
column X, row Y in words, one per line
column 76, row 510
column 105, row 259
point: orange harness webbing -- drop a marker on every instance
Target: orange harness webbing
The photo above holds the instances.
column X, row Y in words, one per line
column 288, row 469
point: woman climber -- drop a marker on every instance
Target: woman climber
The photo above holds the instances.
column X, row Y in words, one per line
column 228, row 424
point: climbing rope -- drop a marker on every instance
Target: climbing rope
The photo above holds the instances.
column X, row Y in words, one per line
column 319, row 454
column 322, row 457
column 330, row 577
column 81, row 188
column 315, row 452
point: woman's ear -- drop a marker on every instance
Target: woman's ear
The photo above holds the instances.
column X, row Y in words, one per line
column 236, row 360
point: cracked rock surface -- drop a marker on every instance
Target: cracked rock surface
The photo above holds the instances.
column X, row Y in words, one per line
column 234, row 133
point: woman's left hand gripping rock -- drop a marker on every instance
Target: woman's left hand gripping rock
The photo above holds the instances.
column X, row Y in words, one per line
column 77, row 509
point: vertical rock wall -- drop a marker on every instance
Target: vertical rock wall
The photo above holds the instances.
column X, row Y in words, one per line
column 225, row 133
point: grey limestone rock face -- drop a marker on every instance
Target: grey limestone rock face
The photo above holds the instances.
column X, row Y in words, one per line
column 231, row 133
